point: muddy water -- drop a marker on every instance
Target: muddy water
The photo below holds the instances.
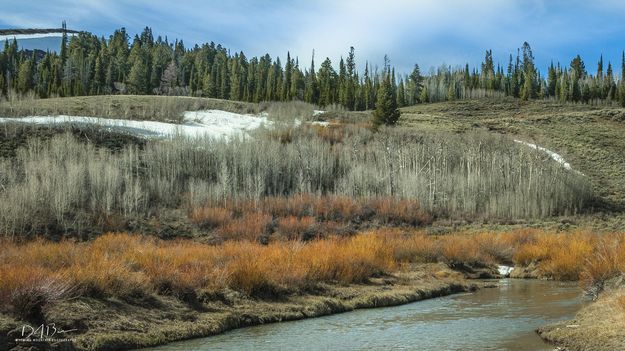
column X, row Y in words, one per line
column 501, row 318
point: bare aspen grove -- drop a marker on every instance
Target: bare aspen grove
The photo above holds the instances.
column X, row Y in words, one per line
column 63, row 184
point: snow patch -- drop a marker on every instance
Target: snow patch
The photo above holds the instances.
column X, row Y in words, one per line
column 551, row 154
column 320, row 123
column 33, row 36
column 504, row 270
column 209, row 123
column 318, row 112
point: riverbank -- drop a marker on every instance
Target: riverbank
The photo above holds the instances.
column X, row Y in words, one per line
column 124, row 291
column 598, row 326
column 116, row 324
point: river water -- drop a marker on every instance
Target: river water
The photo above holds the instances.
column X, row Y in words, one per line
column 501, row 318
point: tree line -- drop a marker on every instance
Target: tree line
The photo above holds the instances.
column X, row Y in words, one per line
column 91, row 65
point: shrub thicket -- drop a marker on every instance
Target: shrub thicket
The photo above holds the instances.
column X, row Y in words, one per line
column 62, row 185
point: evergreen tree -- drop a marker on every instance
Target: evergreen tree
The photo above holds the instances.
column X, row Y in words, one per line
column 622, row 82
column 311, row 92
column 552, row 79
column 351, row 80
column 401, row 95
column 327, row 83
column 386, row 111
column 529, row 73
column 416, row 85
column 138, row 78
column 25, row 77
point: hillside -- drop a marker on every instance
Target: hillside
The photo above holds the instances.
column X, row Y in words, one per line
column 590, row 138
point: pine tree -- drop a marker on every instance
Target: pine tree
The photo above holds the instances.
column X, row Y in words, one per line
column 529, row 73
column 342, row 83
column 288, row 74
column 137, row 78
column 488, row 71
column 297, row 82
column 578, row 67
column 327, row 83
column 368, row 91
column 352, row 80
column 600, row 67
column 401, row 97
column 552, row 79
column 622, row 83
column 386, row 111
column 416, row 84
column 25, row 77
column 311, row 92
column 97, row 84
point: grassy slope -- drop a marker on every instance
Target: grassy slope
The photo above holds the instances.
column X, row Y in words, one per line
column 590, row 138
column 140, row 107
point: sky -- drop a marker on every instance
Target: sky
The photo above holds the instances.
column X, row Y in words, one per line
column 427, row 32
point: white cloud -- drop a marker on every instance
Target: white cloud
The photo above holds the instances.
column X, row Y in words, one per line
column 425, row 31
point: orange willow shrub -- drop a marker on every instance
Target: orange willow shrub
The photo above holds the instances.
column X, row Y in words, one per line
column 386, row 210
column 125, row 265
column 607, row 261
column 251, row 226
column 294, row 228
column 411, row 246
column 38, row 273
column 560, row 256
column 210, row 217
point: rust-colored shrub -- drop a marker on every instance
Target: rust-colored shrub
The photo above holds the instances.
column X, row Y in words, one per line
column 397, row 212
column 249, row 227
column 463, row 249
column 26, row 290
column 210, row 217
column 294, row 228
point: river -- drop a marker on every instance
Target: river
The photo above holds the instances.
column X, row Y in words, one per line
column 499, row 318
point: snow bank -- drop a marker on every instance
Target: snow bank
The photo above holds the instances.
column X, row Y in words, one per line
column 320, row 123
column 33, row 36
column 551, row 154
column 318, row 112
column 504, row 270
column 210, row 123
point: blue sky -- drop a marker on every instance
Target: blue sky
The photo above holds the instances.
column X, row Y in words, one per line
column 428, row 32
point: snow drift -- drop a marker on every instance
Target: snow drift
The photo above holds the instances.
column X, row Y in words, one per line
column 209, row 123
